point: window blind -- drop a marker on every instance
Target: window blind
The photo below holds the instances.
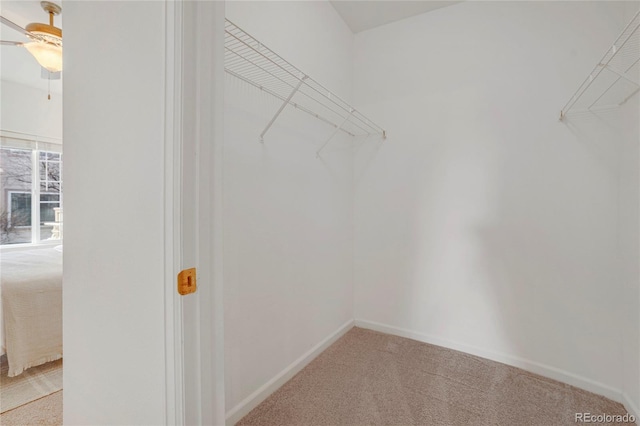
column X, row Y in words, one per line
column 29, row 142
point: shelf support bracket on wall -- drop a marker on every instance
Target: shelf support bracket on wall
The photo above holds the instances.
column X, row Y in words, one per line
column 334, row 132
column 284, row 104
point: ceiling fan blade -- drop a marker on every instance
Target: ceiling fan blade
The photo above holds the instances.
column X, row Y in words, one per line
column 13, row 25
column 10, row 43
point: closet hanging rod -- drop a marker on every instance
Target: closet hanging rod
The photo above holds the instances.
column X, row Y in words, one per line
column 249, row 60
column 293, row 72
column 261, row 69
column 613, row 52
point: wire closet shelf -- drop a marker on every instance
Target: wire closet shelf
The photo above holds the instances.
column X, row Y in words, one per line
column 615, row 79
column 249, row 60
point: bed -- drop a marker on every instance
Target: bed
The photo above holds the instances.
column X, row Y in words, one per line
column 31, row 316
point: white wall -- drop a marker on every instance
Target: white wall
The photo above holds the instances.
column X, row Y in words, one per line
column 288, row 215
column 629, row 234
column 114, row 204
column 483, row 223
column 27, row 110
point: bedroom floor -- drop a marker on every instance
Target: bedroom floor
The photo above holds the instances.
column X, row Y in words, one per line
column 33, row 397
column 373, row 378
column 46, row 411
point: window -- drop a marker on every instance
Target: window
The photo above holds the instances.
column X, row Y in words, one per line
column 50, row 167
column 19, row 208
column 48, row 203
column 30, row 195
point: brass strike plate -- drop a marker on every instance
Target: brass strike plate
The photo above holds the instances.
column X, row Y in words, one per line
column 187, row 281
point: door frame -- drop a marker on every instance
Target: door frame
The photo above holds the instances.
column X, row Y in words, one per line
column 174, row 382
column 194, row 87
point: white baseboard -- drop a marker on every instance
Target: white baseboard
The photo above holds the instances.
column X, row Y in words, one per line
column 631, row 407
column 514, row 361
column 253, row 400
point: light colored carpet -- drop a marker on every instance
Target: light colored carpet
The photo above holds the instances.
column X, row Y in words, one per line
column 34, row 383
column 45, row 411
column 370, row 378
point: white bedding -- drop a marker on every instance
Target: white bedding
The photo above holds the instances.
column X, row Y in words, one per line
column 31, row 293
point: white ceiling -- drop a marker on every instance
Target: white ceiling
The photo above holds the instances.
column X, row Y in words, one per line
column 364, row 15
column 16, row 64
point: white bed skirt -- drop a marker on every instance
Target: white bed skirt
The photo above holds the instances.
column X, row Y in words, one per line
column 31, row 313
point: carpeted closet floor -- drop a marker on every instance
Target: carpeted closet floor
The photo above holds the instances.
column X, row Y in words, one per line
column 370, row 378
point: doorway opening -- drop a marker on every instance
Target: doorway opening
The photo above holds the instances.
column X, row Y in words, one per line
column 31, row 215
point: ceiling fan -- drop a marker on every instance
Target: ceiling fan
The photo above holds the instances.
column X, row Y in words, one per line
column 46, row 39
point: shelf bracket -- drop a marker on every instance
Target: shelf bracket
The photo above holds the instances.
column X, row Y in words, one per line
column 284, row 104
column 334, row 132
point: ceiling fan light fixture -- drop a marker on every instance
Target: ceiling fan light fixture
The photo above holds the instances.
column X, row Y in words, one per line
column 48, row 55
column 44, row 30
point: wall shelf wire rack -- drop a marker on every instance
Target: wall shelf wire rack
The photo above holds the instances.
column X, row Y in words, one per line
column 616, row 77
column 249, row 60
